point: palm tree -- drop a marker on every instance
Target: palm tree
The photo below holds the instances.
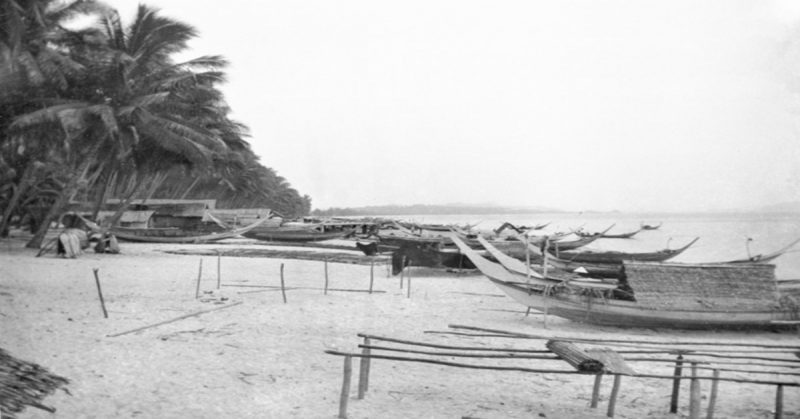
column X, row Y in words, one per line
column 34, row 62
column 134, row 110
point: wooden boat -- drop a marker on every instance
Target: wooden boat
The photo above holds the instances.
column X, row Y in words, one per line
column 664, row 295
column 763, row 258
column 177, row 235
column 519, row 229
column 651, row 226
column 609, row 236
column 296, row 233
column 614, row 257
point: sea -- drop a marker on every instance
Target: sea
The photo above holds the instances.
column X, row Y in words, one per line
column 722, row 236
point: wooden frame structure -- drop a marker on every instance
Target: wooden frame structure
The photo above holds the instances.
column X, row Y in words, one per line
column 614, row 361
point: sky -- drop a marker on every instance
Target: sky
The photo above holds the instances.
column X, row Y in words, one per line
column 576, row 105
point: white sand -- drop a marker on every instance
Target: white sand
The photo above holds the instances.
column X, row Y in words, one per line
column 265, row 358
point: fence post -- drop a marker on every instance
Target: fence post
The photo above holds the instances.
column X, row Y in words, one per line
column 363, row 372
column 598, row 379
column 345, row 396
column 712, row 399
column 676, row 385
column 612, row 400
column 694, row 394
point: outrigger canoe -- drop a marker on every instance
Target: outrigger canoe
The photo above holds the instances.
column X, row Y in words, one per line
column 664, row 295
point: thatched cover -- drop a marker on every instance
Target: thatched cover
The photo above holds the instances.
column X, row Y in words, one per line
column 24, row 384
column 740, row 287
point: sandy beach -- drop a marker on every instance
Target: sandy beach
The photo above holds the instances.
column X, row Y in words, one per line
column 265, row 358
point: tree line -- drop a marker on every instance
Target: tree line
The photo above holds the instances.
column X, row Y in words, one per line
column 103, row 110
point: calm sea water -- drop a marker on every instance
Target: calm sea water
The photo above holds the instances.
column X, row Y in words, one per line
column 722, row 236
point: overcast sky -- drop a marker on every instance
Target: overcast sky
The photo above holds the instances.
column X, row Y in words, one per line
column 577, row 105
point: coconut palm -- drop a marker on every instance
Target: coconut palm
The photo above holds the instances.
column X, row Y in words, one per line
column 134, row 110
column 34, row 62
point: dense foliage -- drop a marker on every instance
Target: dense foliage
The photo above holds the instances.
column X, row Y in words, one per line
column 103, row 111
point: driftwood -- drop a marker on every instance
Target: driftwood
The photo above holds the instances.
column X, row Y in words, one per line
column 24, row 384
column 185, row 316
column 575, row 356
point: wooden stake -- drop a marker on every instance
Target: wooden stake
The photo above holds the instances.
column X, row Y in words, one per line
column 326, row 275
column 612, row 400
column 363, row 371
column 676, row 385
column 283, row 286
column 694, row 394
column 712, row 400
column 408, row 289
column 779, row 402
column 402, row 270
column 546, row 304
column 100, row 292
column 185, row 316
column 348, row 370
column 199, row 275
column 598, row 379
column 371, row 274
column 219, row 268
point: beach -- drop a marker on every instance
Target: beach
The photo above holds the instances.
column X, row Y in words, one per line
column 265, row 358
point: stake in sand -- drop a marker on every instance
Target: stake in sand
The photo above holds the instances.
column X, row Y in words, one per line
column 283, row 286
column 100, row 292
column 199, row 275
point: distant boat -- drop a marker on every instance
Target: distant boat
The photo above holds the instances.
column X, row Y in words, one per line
column 661, row 295
column 651, row 227
column 610, row 236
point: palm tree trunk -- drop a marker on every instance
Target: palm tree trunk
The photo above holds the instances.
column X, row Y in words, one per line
column 191, row 186
column 70, row 189
column 22, row 187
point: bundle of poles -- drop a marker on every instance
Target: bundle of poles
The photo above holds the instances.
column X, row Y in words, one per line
column 731, row 358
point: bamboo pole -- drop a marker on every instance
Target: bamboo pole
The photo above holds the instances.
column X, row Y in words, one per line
column 779, row 402
column 458, row 364
column 326, row 275
column 712, row 400
column 219, row 269
column 676, row 385
column 552, row 371
column 371, row 275
column 199, row 275
column 508, row 355
column 100, row 292
column 607, row 341
column 363, row 371
column 694, row 394
column 612, row 400
column 283, row 286
column 408, row 288
column 348, row 371
column 432, row 345
column 185, row 316
column 598, row 379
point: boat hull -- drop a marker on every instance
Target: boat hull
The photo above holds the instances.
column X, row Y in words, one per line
column 630, row 314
